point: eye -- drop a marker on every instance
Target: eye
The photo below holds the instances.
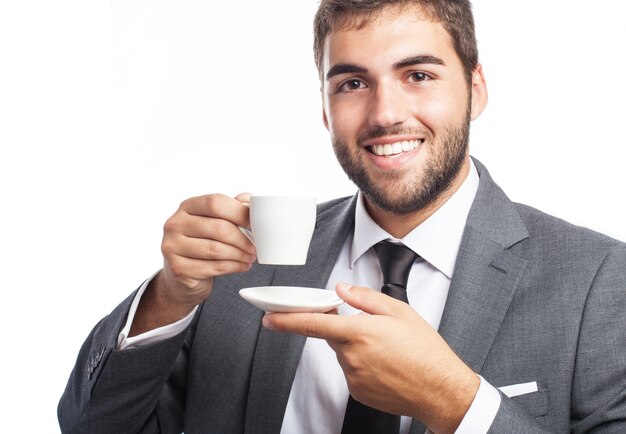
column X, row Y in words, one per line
column 418, row 77
column 351, row 85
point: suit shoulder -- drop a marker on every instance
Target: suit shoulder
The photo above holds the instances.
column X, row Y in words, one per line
column 331, row 204
column 550, row 229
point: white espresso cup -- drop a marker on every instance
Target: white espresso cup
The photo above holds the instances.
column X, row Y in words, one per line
column 281, row 228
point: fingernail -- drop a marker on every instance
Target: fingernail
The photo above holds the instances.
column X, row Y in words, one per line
column 267, row 323
column 344, row 287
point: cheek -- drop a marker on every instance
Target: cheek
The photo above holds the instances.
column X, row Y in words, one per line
column 343, row 120
column 441, row 112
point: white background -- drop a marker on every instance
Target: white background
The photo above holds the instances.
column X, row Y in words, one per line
column 114, row 111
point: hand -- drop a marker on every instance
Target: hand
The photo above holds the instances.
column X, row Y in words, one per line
column 392, row 358
column 200, row 241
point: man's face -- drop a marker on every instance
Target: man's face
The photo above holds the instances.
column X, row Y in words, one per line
column 397, row 105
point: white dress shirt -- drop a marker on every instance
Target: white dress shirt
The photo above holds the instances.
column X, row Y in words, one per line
column 319, row 394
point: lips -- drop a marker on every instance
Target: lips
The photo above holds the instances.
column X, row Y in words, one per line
column 395, row 148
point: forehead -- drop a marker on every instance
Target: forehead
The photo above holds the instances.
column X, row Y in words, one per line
column 391, row 34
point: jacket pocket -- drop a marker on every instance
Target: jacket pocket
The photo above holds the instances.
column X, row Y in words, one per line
column 534, row 403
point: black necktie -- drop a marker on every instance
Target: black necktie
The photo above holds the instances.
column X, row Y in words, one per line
column 396, row 261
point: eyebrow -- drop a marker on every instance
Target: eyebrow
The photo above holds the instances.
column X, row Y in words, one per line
column 344, row 68
column 350, row 68
column 418, row 60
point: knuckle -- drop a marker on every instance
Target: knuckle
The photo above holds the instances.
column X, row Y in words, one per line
column 353, row 363
column 215, row 250
column 218, row 227
column 167, row 247
column 170, row 225
column 188, row 204
column 310, row 329
column 214, row 201
column 177, row 268
column 350, row 362
column 220, row 267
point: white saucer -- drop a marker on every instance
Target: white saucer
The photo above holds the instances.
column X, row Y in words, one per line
column 291, row 298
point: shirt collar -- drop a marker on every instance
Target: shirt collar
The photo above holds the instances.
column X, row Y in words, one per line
column 437, row 239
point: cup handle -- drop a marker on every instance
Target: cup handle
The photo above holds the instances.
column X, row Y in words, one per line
column 248, row 233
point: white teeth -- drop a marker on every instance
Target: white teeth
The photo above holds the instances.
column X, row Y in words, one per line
column 396, row 148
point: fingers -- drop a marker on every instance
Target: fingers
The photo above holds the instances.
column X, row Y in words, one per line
column 190, row 271
column 213, row 217
column 202, row 240
column 370, row 301
column 316, row 325
column 219, row 206
column 199, row 248
column 244, row 197
column 338, row 328
column 207, row 228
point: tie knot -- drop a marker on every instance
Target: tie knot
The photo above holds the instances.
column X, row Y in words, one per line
column 396, row 261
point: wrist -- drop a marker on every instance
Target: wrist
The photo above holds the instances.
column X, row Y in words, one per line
column 454, row 402
column 157, row 309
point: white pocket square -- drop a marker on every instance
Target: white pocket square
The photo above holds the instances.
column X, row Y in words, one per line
column 519, row 389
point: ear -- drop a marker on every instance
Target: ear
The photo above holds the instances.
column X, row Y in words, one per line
column 479, row 92
column 324, row 106
column 324, row 118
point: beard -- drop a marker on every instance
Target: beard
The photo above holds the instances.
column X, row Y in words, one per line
column 399, row 192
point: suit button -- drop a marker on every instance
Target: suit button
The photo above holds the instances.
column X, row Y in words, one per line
column 100, row 354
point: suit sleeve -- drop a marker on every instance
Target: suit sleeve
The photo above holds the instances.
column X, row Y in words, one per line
column 131, row 391
column 598, row 398
column 599, row 387
column 511, row 419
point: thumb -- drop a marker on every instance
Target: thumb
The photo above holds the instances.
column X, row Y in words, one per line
column 244, row 197
column 369, row 300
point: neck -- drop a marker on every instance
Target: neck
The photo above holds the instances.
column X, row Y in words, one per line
column 399, row 225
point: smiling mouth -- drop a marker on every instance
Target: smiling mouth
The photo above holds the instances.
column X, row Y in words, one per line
column 393, row 149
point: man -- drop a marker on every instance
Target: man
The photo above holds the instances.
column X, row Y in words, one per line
column 515, row 322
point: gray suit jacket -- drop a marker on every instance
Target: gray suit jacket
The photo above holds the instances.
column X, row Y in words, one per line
column 533, row 298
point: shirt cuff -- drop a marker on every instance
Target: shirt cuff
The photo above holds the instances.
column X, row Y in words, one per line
column 483, row 410
column 151, row 336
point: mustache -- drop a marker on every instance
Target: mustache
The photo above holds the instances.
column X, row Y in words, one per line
column 399, row 130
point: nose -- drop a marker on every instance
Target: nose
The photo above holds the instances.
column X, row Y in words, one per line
column 388, row 106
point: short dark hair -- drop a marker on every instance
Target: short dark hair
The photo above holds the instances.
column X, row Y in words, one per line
column 454, row 15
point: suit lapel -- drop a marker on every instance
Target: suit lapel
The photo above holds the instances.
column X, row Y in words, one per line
column 485, row 277
column 277, row 354
column 486, row 274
